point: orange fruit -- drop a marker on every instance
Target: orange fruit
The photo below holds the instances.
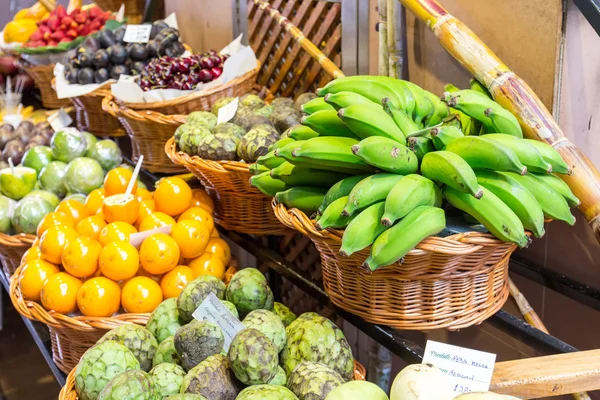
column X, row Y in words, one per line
column 54, row 218
column 156, row 220
column 208, row 264
column 121, row 207
column 119, row 260
column 54, row 240
column 141, row 295
column 32, row 254
column 94, row 200
column 60, row 293
column 145, row 208
column 34, row 275
column 143, row 272
column 99, row 297
column 91, row 226
column 173, row 282
column 116, row 181
column 201, row 199
column 191, row 236
column 219, row 248
column 74, row 208
column 215, row 233
column 80, row 257
column 172, row 196
column 116, row 231
column 159, row 253
column 143, row 194
column 200, row 215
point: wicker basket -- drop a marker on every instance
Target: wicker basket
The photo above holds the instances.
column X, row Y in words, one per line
column 239, row 206
column 12, row 249
column 68, row 391
column 452, row 282
column 42, row 76
column 134, row 9
column 72, row 336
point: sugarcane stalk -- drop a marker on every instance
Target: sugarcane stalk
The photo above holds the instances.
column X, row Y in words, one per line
column 382, row 29
column 299, row 37
column 394, row 40
column 534, row 320
column 515, row 95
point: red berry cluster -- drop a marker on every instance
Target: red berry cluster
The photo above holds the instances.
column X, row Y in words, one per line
column 183, row 73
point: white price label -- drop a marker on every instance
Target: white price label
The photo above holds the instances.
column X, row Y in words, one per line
column 227, row 112
column 468, row 370
column 137, row 33
column 60, row 120
column 213, row 310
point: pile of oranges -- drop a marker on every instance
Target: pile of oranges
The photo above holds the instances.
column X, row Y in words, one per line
column 123, row 251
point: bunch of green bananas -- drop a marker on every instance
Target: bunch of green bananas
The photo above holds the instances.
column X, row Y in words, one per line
column 377, row 156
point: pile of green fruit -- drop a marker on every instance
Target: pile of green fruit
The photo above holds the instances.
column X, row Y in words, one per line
column 377, row 156
column 254, row 128
column 276, row 356
column 73, row 165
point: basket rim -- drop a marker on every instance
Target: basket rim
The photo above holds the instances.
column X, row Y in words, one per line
column 457, row 244
column 35, row 311
column 110, row 105
column 18, row 240
column 194, row 95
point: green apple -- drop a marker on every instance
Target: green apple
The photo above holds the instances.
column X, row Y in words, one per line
column 17, row 182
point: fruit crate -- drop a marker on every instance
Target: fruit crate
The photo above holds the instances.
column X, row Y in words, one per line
column 445, row 282
column 150, row 125
column 12, row 249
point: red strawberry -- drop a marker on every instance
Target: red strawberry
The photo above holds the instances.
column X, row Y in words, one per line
column 95, row 25
column 44, row 29
column 58, row 35
column 67, row 20
column 60, row 11
column 72, row 33
column 74, row 25
column 52, row 43
column 53, row 23
column 37, row 35
column 46, row 36
column 108, row 15
column 63, row 27
column 66, row 39
column 83, row 30
column 75, row 12
column 95, row 12
column 80, row 18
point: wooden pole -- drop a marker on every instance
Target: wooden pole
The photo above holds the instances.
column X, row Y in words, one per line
column 515, row 95
column 534, row 320
column 394, row 39
column 382, row 29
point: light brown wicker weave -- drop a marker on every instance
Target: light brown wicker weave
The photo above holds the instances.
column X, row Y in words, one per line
column 133, row 8
column 68, row 391
column 71, row 336
column 239, row 206
column 42, row 76
column 451, row 282
column 12, row 249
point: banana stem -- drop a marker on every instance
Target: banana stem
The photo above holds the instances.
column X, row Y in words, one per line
column 394, row 40
column 515, row 95
column 383, row 38
column 534, row 320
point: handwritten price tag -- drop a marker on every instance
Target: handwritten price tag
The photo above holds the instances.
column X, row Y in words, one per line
column 213, row 310
column 468, row 370
column 137, row 33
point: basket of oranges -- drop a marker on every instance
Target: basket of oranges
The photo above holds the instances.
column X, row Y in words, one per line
column 105, row 262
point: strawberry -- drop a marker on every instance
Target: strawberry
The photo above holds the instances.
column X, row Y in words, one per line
column 37, row 35
column 44, row 29
column 75, row 12
column 95, row 12
column 74, row 25
column 80, row 18
column 83, row 30
column 60, row 11
column 67, row 20
column 72, row 33
column 66, row 39
column 57, row 36
column 53, row 23
column 95, row 25
column 63, row 27
column 52, row 43
column 46, row 36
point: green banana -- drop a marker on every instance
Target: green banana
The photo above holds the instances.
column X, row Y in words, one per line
column 256, row 168
column 551, row 156
column 266, row 184
column 420, row 145
column 302, row 132
column 492, row 115
column 362, row 231
column 449, row 87
column 516, row 197
column 478, row 87
column 553, row 203
column 387, row 155
column 331, row 152
column 423, row 104
column 327, row 123
column 407, row 194
column 481, row 153
column 370, row 190
column 475, row 127
column 443, row 135
column 341, row 100
column 452, row 120
column 295, row 175
column 527, row 154
column 370, row 120
column 332, row 216
column 305, row 198
column 280, row 143
column 450, row 169
column 372, row 87
column 285, row 152
column 270, row 160
column 340, row 189
column 314, row 105
column 400, row 118
column 559, row 186
column 490, row 211
column 438, row 113
column 392, row 245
